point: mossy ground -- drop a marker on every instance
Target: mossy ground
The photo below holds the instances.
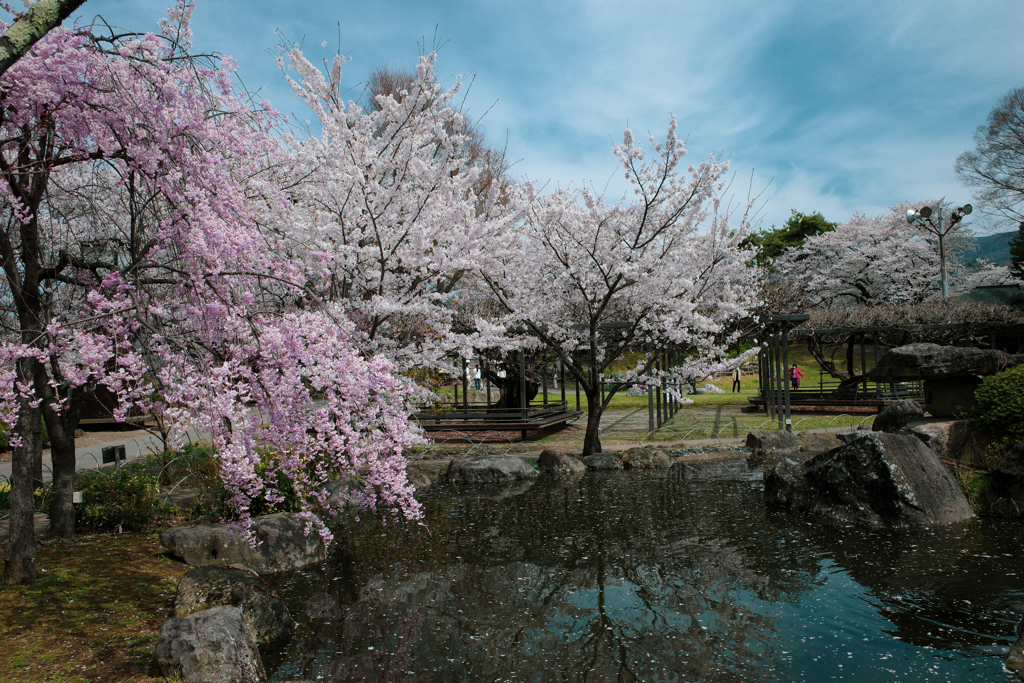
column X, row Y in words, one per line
column 93, row 614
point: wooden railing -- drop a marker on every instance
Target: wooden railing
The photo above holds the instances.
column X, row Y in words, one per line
column 473, row 412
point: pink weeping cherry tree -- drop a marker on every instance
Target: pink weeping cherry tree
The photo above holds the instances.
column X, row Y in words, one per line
column 136, row 187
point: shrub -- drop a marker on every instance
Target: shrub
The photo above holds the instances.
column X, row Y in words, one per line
column 977, row 487
column 212, row 498
column 1000, row 408
column 126, row 500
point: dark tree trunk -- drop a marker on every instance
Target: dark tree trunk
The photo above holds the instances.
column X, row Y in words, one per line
column 509, row 385
column 849, row 355
column 818, row 353
column 592, row 438
column 37, row 464
column 20, row 556
column 62, row 455
column 28, row 186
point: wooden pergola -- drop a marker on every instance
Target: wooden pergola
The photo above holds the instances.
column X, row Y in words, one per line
column 478, row 416
column 778, row 397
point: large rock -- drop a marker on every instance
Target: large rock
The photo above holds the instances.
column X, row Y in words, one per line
column 772, row 443
column 488, row 469
column 1015, row 657
column 264, row 615
column 812, row 444
column 950, row 396
column 933, row 361
column 283, row 544
column 559, row 462
column 645, row 458
column 339, row 492
column 895, row 416
column 1007, row 476
column 945, row 437
column 781, row 483
column 419, row 478
column 878, row 479
column 602, row 461
column 211, row 646
column 849, row 437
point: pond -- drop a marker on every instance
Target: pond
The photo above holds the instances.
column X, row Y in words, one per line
column 683, row 576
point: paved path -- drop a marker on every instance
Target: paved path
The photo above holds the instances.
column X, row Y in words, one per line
column 137, row 444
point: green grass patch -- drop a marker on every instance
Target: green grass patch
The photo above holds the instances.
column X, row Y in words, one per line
column 750, row 384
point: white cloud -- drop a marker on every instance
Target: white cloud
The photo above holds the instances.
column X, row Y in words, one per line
column 849, row 107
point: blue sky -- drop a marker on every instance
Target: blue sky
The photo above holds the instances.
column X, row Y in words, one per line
column 841, row 107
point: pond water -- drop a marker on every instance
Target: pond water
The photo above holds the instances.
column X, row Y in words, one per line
column 684, row 576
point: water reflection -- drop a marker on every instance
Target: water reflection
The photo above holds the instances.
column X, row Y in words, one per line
column 641, row 577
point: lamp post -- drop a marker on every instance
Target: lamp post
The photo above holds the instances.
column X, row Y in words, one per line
column 923, row 216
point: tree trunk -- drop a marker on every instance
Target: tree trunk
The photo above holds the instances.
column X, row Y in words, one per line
column 818, row 353
column 592, row 438
column 849, row 355
column 20, row 557
column 509, row 386
column 37, row 464
column 32, row 26
column 62, row 455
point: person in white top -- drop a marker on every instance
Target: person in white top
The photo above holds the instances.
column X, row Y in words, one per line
column 737, row 377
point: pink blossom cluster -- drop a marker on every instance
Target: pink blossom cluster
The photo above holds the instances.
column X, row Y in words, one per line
column 302, row 401
column 145, row 198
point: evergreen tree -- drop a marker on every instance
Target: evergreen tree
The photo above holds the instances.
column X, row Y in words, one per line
column 772, row 242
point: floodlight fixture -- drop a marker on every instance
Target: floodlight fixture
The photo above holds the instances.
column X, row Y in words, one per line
column 923, row 216
column 961, row 211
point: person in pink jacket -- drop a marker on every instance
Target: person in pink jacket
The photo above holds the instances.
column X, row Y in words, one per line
column 795, row 375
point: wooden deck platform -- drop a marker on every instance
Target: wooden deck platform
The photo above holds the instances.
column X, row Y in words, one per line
column 827, row 401
column 801, row 397
column 476, row 417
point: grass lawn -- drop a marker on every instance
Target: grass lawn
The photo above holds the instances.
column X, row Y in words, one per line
column 710, row 416
column 813, row 376
column 93, row 614
column 690, row 425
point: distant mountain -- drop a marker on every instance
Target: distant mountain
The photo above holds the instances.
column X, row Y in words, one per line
column 995, row 247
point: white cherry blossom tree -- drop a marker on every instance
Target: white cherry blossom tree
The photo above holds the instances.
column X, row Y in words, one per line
column 385, row 208
column 592, row 280
column 872, row 260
